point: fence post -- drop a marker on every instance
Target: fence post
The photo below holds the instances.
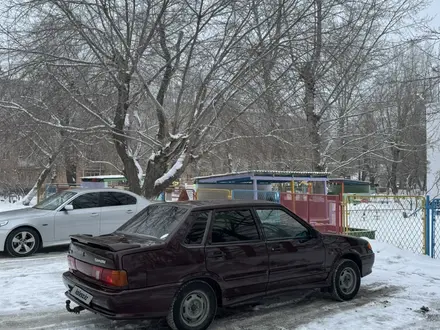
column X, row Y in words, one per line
column 292, row 191
column 433, row 214
column 308, row 208
column 347, row 200
column 255, row 188
column 427, row 226
column 343, row 215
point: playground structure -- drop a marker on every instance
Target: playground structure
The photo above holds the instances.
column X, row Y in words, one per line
column 404, row 221
column 104, row 181
column 330, row 205
column 304, row 193
column 340, row 186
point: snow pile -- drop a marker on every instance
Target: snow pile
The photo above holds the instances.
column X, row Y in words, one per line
column 5, row 205
column 403, row 292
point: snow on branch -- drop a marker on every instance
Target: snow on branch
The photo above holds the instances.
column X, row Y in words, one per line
column 172, row 171
column 15, row 106
column 134, row 156
column 178, row 136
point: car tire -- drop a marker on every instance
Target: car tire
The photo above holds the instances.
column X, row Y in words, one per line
column 22, row 242
column 346, row 280
column 194, row 307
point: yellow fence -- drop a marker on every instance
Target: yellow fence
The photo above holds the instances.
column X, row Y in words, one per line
column 211, row 194
column 397, row 220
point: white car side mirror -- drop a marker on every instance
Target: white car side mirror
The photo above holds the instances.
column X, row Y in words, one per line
column 68, row 207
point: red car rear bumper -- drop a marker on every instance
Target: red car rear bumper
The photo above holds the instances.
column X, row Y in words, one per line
column 122, row 305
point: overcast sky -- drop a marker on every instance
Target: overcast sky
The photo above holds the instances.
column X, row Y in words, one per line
column 433, row 11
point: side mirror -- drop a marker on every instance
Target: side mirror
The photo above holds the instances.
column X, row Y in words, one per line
column 68, row 207
column 314, row 234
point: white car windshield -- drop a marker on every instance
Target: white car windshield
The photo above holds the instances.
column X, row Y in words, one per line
column 55, row 201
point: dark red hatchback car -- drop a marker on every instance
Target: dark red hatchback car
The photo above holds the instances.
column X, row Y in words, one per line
column 182, row 260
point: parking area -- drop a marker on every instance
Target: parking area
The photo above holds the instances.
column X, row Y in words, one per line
column 402, row 292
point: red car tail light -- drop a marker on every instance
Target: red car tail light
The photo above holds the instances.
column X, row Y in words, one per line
column 114, row 277
column 72, row 263
column 108, row 276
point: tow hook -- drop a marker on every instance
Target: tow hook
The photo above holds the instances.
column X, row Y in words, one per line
column 75, row 310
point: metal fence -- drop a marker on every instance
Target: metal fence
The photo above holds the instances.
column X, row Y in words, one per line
column 436, row 241
column 433, row 227
column 397, row 220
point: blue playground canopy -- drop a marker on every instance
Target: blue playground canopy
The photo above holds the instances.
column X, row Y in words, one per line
column 257, row 177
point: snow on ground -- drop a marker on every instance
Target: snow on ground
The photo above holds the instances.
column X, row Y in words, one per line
column 5, row 205
column 32, row 297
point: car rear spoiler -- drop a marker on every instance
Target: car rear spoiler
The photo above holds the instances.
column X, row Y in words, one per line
column 104, row 243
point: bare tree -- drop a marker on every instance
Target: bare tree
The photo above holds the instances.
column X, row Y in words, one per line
column 216, row 84
column 344, row 42
column 178, row 64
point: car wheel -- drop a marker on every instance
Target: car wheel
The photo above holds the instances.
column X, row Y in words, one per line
column 194, row 307
column 22, row 242
column 346, row 280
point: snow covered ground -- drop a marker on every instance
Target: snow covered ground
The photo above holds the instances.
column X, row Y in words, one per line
column 392, row 297
column 5, row 205
column 399, row 222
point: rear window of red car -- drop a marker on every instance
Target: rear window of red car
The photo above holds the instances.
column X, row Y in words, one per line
column 156, row 221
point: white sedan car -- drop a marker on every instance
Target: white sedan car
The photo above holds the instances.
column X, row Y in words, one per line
column 76, row 211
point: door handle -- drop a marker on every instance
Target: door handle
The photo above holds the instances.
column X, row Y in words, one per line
column 94, row 214
column 276, row 248
column 129, row 211
column 216, row 255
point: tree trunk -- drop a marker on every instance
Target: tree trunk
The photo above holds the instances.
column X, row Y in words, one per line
column 315, row 140
column 71, row 173
column 366, row 170
column 309, row 76
column 393, row 175
column 372, row 179
column 130, row 169
column 41, row 179
column 70, row 166
column 341, row 134
column 155, row 169
column 119, row 136
column 159, row 176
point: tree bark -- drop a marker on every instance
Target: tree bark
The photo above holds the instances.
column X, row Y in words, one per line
column 393, row 175
column 341, row 134
column 315, row 140
column 41, row 179
column 309, row 77
column 155, row 169
column 119, row 136
column 158, row 168
column 70, row 165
